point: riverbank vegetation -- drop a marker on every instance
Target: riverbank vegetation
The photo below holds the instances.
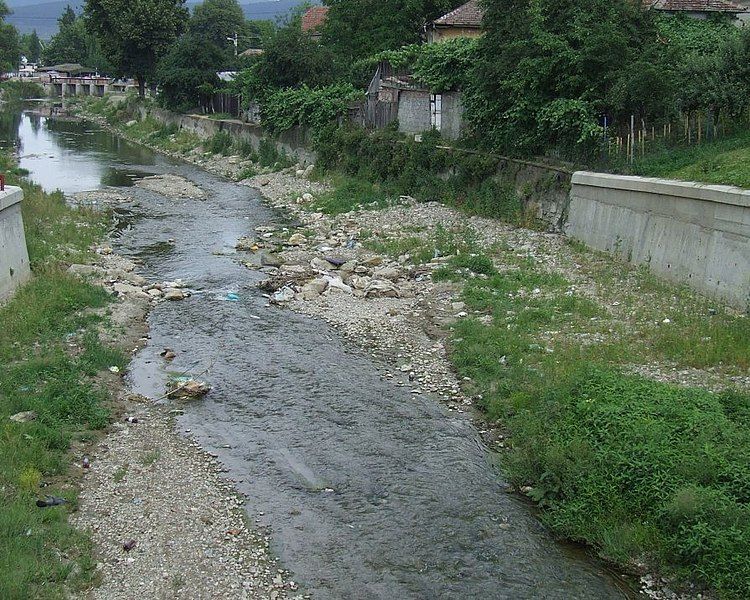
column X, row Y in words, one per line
column 50, row 355
column 615, row 394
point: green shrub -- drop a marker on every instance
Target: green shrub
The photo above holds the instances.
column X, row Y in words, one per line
column 220, row 143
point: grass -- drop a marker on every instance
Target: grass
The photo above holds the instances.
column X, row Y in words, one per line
column 41, row 555
column 348, row 194
column 725, row 161
column 642, row 471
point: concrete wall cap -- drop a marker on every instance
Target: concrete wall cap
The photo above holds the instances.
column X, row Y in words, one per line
column 721, row 194
column 12, row 195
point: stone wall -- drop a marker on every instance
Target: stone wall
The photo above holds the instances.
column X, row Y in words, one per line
column 294, row 142
column 690, row 233
column 14, row 257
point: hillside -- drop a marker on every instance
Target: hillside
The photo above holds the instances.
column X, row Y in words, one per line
column 42, row 16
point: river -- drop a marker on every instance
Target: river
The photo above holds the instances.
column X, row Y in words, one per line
column 366, row 490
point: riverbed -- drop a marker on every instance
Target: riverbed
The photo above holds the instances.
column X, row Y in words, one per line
column 366, row 490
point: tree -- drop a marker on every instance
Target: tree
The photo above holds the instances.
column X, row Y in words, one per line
column 10, row 50
column 67, row 18
column 356, row 30
column 31, row 46
column 187, row 74
column 548, row 69
column 135, row 34
column 292, row 58
column 73, row 43
column 216, row 20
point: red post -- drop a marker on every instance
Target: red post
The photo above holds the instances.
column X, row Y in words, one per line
column 2, row 183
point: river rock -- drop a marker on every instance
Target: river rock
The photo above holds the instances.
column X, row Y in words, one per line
column 307, row 198
column 174, row 294
column 313, row 289
column 246, row 244
column 308, row 171
column 84, row 270
column 373, row 261
column 359, row 283
column 127, row 289
column 389, row 273
column 23, row 417
column 155, row 293
column 269, row 259
column 297, row 239
column 381, row 288
column 349, row 266
column 320, row 265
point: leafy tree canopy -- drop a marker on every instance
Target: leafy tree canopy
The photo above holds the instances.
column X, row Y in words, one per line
column 356, row 30
column 135, row 34
column 292, row 58
column 216, row 20
column 10, row 49
column 73, row 43
column 187, row 74
column 31, row 46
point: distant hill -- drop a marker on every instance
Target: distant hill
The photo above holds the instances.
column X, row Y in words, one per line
column 42, row 16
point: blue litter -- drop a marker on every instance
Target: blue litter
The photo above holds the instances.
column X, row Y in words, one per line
column 232, row 298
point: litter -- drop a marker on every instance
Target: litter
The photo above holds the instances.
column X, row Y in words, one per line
column 187, row 387
column 51, row 501
column 232, row 297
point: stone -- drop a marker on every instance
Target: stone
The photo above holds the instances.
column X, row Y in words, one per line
column 349, row 267
column 313, row 289
column 299, row 173
column 373, row 261
column 297, row 239
column 307, row 198
column 174, row 294
column 335, row 283
column 263, row 181
column 131, row 123
column 127, row 289
column 155, row 293
column 84, row 270
column 380, row 288
column 359, row 283
column 389, row 273
column 23, row 417
column 308, row 171
column 269, row 259
column 246, row 244
column 320, row 264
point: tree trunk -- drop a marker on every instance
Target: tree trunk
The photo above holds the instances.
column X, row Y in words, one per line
column 141, row 87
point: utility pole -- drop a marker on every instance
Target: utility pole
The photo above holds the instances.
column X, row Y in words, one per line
column 235, row 40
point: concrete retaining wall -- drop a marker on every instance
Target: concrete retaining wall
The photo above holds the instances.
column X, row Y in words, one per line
column 14, row 257
column 293, row 142
column 687, row 232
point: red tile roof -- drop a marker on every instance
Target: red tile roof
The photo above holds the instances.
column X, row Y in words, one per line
column 467, row 15
column 314, row 18
column 714, row 6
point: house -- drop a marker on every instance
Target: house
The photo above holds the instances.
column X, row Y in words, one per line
column 313, row 21
column 464, row 21
column 699, row 9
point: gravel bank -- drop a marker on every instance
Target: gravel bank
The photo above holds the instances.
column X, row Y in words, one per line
column 164, row 522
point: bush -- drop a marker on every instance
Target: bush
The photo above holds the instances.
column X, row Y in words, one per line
column 220, row 143
column 613, row 458
column 312, row 108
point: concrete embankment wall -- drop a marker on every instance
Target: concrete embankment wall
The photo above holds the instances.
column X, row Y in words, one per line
column 690, row 233
column 543, row 189
column 294, row 142
column 14, row 257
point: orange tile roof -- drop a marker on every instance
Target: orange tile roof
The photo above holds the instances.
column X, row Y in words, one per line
column 314, row 18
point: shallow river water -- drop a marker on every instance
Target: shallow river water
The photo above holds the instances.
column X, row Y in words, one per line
column 366, row 490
